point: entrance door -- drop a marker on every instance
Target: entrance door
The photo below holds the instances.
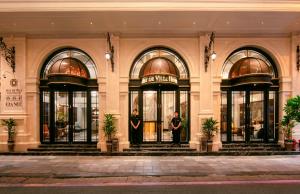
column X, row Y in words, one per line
column 248, row 116
column 70, row 116
column 158, row 110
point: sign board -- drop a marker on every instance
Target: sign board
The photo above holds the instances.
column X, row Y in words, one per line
column 164, row 79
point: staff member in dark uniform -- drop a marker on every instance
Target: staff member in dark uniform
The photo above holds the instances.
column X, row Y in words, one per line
column 176, row 126
column 135, row 122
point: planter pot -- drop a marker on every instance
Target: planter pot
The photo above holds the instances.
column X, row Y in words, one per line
column 11, row 145
column 209, row 146
column 288, row 146
column 115, row 145
column 109, row 146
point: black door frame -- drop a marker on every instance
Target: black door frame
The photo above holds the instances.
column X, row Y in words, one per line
column 247, row 110
column 159, row 129
column 177, row 90
column 52, row 131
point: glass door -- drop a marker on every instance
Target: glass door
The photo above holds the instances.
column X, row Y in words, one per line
column 158, row 111
column 238, row 115
column 168, row 107
column 61, row 116
column 256, row 113
column 149, row 116
column 79, row 116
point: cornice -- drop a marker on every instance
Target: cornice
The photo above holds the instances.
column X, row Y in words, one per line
column 143, row 5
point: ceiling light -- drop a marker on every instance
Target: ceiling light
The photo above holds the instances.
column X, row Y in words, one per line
column 159, row 22
column 227, row 22
column 194, row 23
column 91, row 23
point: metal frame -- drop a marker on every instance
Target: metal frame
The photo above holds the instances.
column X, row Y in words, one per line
column 68, row 84
column 227, row 86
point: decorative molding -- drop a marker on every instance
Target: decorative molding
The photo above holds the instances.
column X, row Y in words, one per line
column 9, row 54
column 147, row 5
column 298, row 57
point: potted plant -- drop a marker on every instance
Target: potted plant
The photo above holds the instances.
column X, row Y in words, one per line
column 10, row 125
column 287, row 125
column 109, row 130
column 209, row 129
column 290, row 119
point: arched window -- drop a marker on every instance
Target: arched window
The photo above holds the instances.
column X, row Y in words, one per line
column 159, row 85
column 69, row 98
column 70, row 53
column 159, row 52
column 249, row 106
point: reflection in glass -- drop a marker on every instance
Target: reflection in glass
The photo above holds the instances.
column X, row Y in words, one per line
column 61, row 116
column 272, row 124
column 223, row 116
column 256, row 115
column 159, row 53
column 134, row 101
column 95, row 115
column 149, row 115
column 79, row 116
column 46, row 116
column 168, row 108
column 73, row 53
column 243, row 54
column 238, row 116
column 184, row 114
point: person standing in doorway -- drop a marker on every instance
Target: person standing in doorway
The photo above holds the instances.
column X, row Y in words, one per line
column 176, row 127
column 135, row 122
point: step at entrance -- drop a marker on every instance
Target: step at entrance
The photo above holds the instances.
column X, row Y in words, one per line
column 250, row 147
column 161, row 150
column 65, row 149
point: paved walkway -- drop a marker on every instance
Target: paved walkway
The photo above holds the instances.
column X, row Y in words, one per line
column 37, row 169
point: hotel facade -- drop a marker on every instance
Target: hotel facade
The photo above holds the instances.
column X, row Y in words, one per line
column 63, row 84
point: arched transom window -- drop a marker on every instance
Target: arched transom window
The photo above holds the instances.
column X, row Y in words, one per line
column 159, row 53
column 64, row 57
column 247, row 61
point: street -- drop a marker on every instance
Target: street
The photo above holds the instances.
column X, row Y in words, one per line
column 274, row 187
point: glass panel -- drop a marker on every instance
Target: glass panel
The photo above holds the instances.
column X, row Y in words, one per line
column 134, row 104
column 184, row 115
column 256, row 115
column 271, row 132
column 61, row 116
column 46, row 116
column 134, row 101
column 242, row 54
column 77, row 54
column 156, row 53
column 95, row 115
column 79, row 116
column 224, row 116
column 168, row 106
column 238, row 116
column 149, row 115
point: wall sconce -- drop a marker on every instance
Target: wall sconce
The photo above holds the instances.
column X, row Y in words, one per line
column 9, row 54
column 209, row 51
column 298, row 57
column 109, row 55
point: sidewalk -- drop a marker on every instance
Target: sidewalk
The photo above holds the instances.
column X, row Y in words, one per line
column 124, row 169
